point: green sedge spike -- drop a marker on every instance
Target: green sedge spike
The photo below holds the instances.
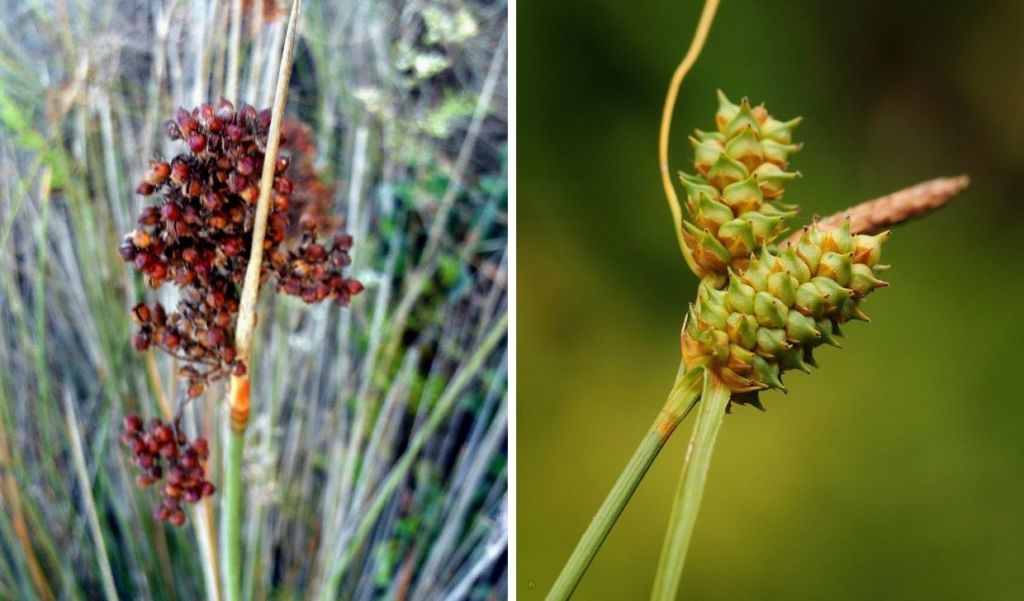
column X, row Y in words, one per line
column 741, row 173
column 771, row 314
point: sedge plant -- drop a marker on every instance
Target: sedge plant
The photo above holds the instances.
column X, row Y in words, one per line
column 765, row 301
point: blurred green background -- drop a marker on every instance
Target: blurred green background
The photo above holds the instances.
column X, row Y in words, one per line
column 897, row 470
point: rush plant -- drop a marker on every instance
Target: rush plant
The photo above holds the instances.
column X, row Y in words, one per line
column 764, row 301
column 372, row 463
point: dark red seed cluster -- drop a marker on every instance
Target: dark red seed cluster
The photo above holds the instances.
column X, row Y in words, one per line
column 312, row 196
column 197, row 236
column 164, row 454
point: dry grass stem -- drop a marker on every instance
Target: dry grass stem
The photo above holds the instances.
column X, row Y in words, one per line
column 250, row 289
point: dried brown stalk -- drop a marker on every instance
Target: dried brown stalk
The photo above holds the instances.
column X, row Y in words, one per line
column 874, row 216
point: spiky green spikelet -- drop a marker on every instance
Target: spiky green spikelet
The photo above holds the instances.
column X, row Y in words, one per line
column 772, row 314
column 733, row 200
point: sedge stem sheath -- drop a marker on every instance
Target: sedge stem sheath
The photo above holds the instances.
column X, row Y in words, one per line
column 710, row 412
column 684, row 392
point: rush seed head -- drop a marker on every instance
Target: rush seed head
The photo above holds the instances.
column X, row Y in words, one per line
column 197, row 234
column 160, row 448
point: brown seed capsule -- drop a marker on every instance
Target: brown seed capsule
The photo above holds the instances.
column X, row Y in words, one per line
column 340, row 258
column 178, row 517
column 264, row 119
column 343, row 241
column 162, row 513
column 245, row 165
column 281, row 202
column 163, row 433
column 145, row 188
column 157, row 270
column 216, row 335
column 208, row 489
column 193, row 189
column 176, row 476
column 171, row 339
column 141, row 341
column 132, row 423
column 217, row 221
column 171, row 211
column 156, row 472
column 141, row 239
column 283, row 185
column 192, row 495
column 195, row 389
column 143, row 481
column 197, row 142
column 247, row 114
column 172, row 491
column 179, row 172
column 189, row 459
column 202, row 447
column 235, row 182
column 293, row 286
column 212, row 201
column 249, row 194
column 159, row 314
column 182, row 117
column 127, row 250
column 239, row 370
column 225, row 110
column 354, row 287
column 232, row 246
column 234, row 133
column 149, row 216
column 315, row 252
column 140, row 313
column 157, row 173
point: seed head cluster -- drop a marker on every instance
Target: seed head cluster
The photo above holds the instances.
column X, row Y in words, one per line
column 197, row 236
column 762, row 310
column 164, row 454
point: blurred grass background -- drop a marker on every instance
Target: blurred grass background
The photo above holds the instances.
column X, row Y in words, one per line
column 408, row 108
column 892, row 472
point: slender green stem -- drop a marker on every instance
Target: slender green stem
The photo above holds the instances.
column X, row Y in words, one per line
column 233, row 514
column 684, row 392
column 710, row 412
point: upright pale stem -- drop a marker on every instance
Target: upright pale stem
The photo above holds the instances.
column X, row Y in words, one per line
column 239, row 388
column 684, row 392
column 710, row 412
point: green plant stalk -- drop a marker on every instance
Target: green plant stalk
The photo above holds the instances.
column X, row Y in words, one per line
column 710, row 412
column 232, row 526
column 685, row 391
